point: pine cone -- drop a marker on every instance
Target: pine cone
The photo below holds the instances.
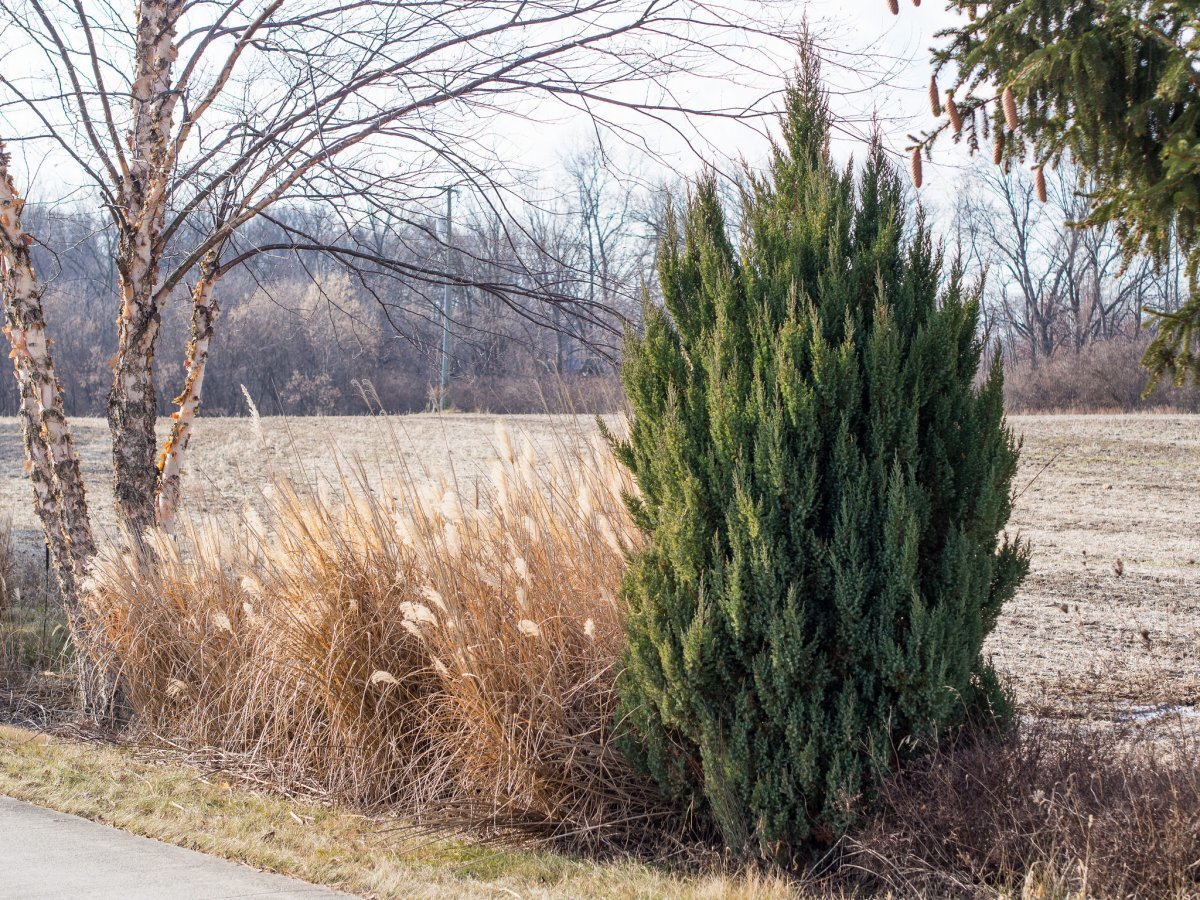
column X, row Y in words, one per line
column 1039, row 181
column 956, row 121
column 998, row 146
column 894, row 6
column 1010, row 108
column 916, row 166
column 934, row 103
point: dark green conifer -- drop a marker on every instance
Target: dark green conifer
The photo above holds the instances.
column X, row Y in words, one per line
column 823, row 485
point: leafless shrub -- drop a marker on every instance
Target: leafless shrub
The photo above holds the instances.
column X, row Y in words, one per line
column 1102, row 376
column 581, row 394
column 1048, row 811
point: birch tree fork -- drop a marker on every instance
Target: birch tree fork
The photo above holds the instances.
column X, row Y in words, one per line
column 132, row 402
column 300, row 102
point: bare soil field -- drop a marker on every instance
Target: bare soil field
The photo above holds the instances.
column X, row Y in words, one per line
column 1107, row 625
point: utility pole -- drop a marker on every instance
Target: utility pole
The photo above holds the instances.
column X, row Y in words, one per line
column 444, row 382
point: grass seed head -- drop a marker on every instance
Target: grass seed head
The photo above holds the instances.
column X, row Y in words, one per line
column 177, row 689
column 392, row 658
column 529, row 628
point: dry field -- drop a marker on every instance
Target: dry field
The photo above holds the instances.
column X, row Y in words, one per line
column 1086, row 635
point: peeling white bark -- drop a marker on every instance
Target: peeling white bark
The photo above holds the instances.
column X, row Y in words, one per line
column 41, row 476
column 59, row 497
column 132, row 403
column 174, row 451
column 153, row 115
column 25, row 327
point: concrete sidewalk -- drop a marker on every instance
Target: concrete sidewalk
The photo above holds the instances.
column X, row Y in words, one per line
column 51, row 855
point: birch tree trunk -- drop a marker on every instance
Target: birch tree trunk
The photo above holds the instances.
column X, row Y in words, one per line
column 132, row 401
column 204, row 317
column 45, row 493
column 53, row 465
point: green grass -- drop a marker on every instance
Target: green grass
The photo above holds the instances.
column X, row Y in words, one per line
column 376, row 857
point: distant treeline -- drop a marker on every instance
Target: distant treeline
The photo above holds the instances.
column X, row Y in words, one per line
column 538, row 310
column 1064, row 306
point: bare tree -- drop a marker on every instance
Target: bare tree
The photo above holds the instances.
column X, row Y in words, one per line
column 198, row 118
column 1024, row 253
column 1107, row 290
column 1051, row 286
column 606, row 212
column 290, row 321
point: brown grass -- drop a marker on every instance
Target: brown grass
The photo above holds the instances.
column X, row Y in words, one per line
column 453, row 654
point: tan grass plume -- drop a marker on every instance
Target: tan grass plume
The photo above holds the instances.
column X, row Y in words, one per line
column 397, row 643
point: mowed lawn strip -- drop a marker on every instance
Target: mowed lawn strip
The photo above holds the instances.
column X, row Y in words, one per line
column 374, row 857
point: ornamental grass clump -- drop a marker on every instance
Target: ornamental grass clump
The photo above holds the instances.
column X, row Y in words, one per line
column 401, row 643
column 823, row 489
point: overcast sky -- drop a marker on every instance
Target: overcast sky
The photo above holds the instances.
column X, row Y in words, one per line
column 877, row 66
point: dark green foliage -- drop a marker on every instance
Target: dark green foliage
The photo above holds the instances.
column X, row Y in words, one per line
column 823, row 490
column 1115, row 84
